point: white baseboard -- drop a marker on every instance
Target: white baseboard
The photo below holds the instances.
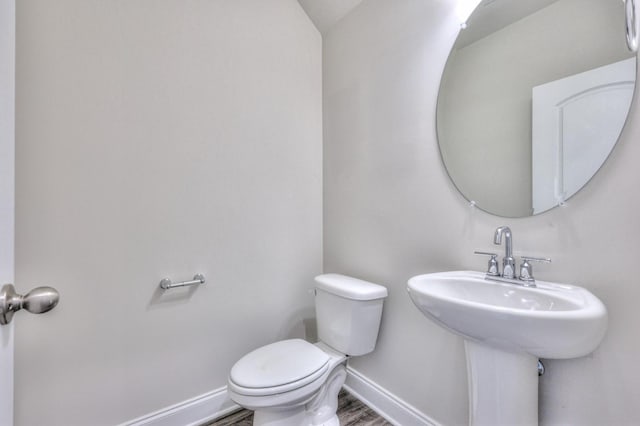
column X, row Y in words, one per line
column 383, row 402
column 216, row 404
column 193, row 412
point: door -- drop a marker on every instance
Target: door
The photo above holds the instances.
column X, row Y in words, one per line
column 7, row 91
column 576, row 121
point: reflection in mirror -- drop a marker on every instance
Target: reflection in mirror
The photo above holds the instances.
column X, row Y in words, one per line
column 533, row 98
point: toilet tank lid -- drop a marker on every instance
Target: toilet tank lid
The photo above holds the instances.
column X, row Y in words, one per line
column 349, row 287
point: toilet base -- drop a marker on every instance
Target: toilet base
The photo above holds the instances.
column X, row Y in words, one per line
column 298, row 418
column 320, row 411
column 334, row 421
column 292, row 417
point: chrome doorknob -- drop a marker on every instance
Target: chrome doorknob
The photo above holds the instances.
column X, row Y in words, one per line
column 37, row 301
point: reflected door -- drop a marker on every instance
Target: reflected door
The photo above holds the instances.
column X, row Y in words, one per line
column 576, row 122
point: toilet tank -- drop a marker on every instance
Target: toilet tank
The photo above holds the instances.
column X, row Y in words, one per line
column 348, row 312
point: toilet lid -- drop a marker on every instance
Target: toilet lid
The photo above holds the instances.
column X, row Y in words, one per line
column 280, row 363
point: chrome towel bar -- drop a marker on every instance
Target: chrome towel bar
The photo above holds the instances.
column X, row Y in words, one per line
column 166, row 283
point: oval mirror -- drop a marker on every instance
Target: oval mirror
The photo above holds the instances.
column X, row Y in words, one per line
column 532, row 101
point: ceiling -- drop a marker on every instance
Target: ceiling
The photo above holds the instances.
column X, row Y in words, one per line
column 493, row 15
column 325, row 13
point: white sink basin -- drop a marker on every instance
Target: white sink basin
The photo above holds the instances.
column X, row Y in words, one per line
column 548, row 321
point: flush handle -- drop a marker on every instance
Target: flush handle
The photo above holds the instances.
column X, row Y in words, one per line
column 37, row 301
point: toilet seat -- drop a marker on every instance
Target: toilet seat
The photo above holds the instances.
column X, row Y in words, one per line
column 278, row 368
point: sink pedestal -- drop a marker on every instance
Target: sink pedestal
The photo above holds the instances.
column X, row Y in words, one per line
column 503, row 386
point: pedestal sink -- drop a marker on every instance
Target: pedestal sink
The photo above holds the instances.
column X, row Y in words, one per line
column 506, row 328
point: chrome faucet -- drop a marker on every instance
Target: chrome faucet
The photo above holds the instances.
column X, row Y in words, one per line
column 508, row 263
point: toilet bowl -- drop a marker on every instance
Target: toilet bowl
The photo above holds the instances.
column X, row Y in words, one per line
column 294, row 382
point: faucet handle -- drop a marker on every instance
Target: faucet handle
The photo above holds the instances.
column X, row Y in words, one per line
column 526, row 270
column 492, row 266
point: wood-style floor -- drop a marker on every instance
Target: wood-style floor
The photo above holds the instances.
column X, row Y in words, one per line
column 351, row 412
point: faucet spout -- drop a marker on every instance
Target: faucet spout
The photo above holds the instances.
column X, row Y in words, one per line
column 508, row 263
column 508, row 243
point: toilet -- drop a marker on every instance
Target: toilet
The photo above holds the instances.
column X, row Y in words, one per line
column 296, row 383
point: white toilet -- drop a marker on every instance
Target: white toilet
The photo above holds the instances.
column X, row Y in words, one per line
column 296, row 383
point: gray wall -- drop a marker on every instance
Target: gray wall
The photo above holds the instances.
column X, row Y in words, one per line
column 160, row 138
column 390, row 212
